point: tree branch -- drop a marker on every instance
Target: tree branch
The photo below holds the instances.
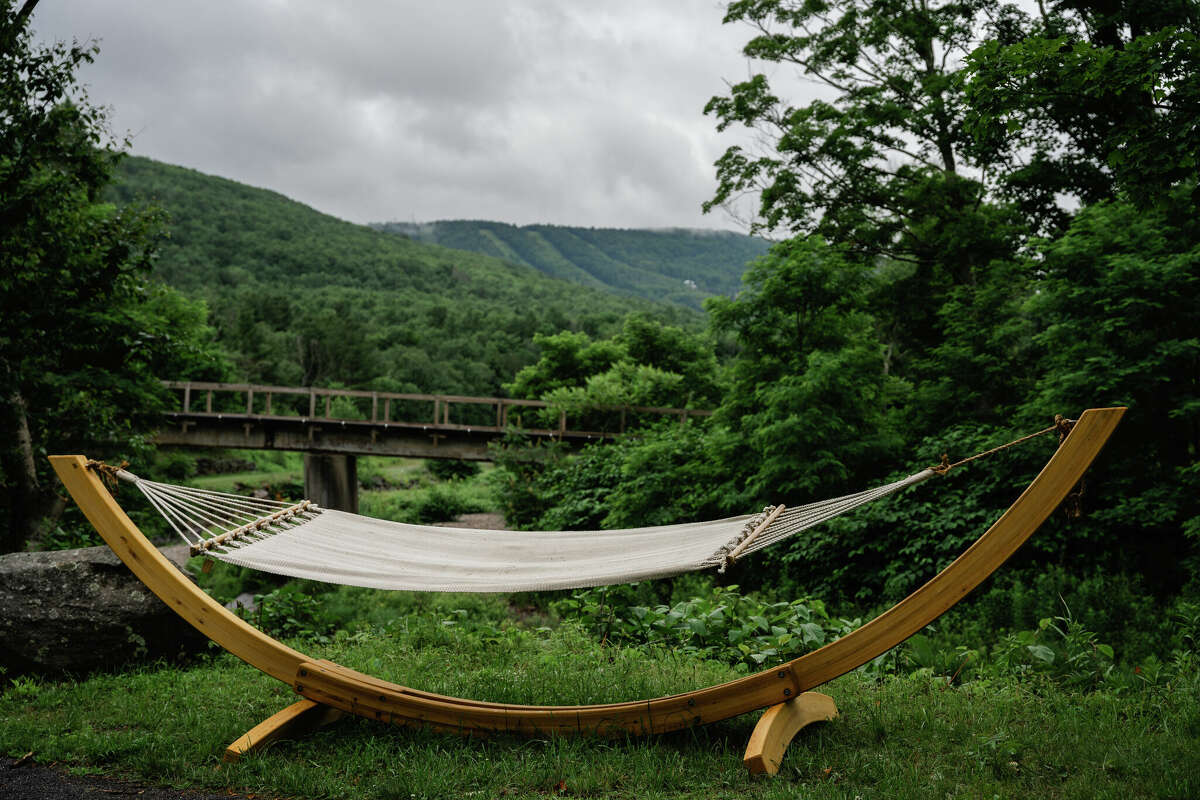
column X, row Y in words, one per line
column 26, row 10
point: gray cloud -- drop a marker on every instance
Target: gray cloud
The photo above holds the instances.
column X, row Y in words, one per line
column 523, row 111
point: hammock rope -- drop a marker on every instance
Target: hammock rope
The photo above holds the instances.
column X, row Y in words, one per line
column 303, row 540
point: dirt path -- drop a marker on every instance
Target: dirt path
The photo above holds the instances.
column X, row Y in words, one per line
column 490, row 521
column 23, row 779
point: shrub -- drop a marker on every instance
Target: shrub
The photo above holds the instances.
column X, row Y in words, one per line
column 450, row 469
column 723, row 624
column 288, row 612
column 437, row 503
column 176, row 466
column 1061, row 647
column 441, row 503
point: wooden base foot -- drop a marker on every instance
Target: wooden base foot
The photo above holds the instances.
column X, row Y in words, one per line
column 298, row 719
column 779, row 724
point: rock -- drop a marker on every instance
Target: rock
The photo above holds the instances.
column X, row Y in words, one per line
column 245, row 600
column 75, row 611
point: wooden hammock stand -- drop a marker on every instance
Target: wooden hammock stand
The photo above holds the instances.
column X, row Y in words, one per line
column 330, row 690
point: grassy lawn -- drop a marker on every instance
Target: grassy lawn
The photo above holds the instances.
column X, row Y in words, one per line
column 906, row 736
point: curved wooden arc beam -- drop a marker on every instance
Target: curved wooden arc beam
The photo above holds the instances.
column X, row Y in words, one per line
column 341, row 688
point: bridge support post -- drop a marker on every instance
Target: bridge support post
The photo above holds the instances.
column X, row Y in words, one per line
column 331, row 481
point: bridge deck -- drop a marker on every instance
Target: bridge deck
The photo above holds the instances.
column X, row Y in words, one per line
column 357, row 422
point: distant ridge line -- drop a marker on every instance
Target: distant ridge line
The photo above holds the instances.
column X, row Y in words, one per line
column 674, row 264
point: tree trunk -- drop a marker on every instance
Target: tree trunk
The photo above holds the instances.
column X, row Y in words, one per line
column 27, row 504
column 940, row 114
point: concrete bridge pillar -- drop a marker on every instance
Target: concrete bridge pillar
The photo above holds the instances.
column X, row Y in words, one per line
column 331, row 481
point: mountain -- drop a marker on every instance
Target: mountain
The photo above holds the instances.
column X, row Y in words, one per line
column 675, row 265
column 301, row 298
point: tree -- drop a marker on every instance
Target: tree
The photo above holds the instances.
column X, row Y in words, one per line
column 567, row 359
column 656, row 364
column 1092, row 100
column 809, row 394
column 883, row 164
column 1118, row 325
column 846, row 166
column 85, row 336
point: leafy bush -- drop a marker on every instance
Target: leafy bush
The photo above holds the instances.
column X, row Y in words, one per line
column 437, row 503
column 1061, row 647
column 653, row 479
column 175, row 465
column 519, row 463
column 1117, row 606
column 70, row 537
column 750, row 631
column 288, row 612
column 278, row 490
column 441, row 503
column 884, row 550
column 451, row 469
column 575, row 493
column 723, row 625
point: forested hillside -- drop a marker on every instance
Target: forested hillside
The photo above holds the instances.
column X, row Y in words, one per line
column 677, row 265
column 299, row 297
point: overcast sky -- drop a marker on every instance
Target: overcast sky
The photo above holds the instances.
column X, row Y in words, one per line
column 523, row 111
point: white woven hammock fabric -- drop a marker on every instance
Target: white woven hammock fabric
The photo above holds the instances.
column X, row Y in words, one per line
column 304, row 541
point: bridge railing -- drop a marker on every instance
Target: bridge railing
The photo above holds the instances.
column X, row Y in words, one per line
column 442, row 411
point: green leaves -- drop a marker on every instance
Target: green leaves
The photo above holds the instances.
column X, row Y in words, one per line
column 889, row 108
column 646, row 364
column 1061, row 648
column 1115, row 326
column 1090, row 107
column 723, row 624
column 809, row 392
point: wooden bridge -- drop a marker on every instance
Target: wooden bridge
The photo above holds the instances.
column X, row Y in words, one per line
column 332, row 426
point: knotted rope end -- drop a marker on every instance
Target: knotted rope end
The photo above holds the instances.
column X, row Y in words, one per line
column 108, row 473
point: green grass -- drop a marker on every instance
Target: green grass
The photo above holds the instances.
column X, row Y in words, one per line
column 910, row 736
column 430, row 503
column 285, row 467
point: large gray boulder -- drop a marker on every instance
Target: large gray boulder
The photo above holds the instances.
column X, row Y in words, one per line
column 75, row 611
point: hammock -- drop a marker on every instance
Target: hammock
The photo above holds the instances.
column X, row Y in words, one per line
column 303, row 540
